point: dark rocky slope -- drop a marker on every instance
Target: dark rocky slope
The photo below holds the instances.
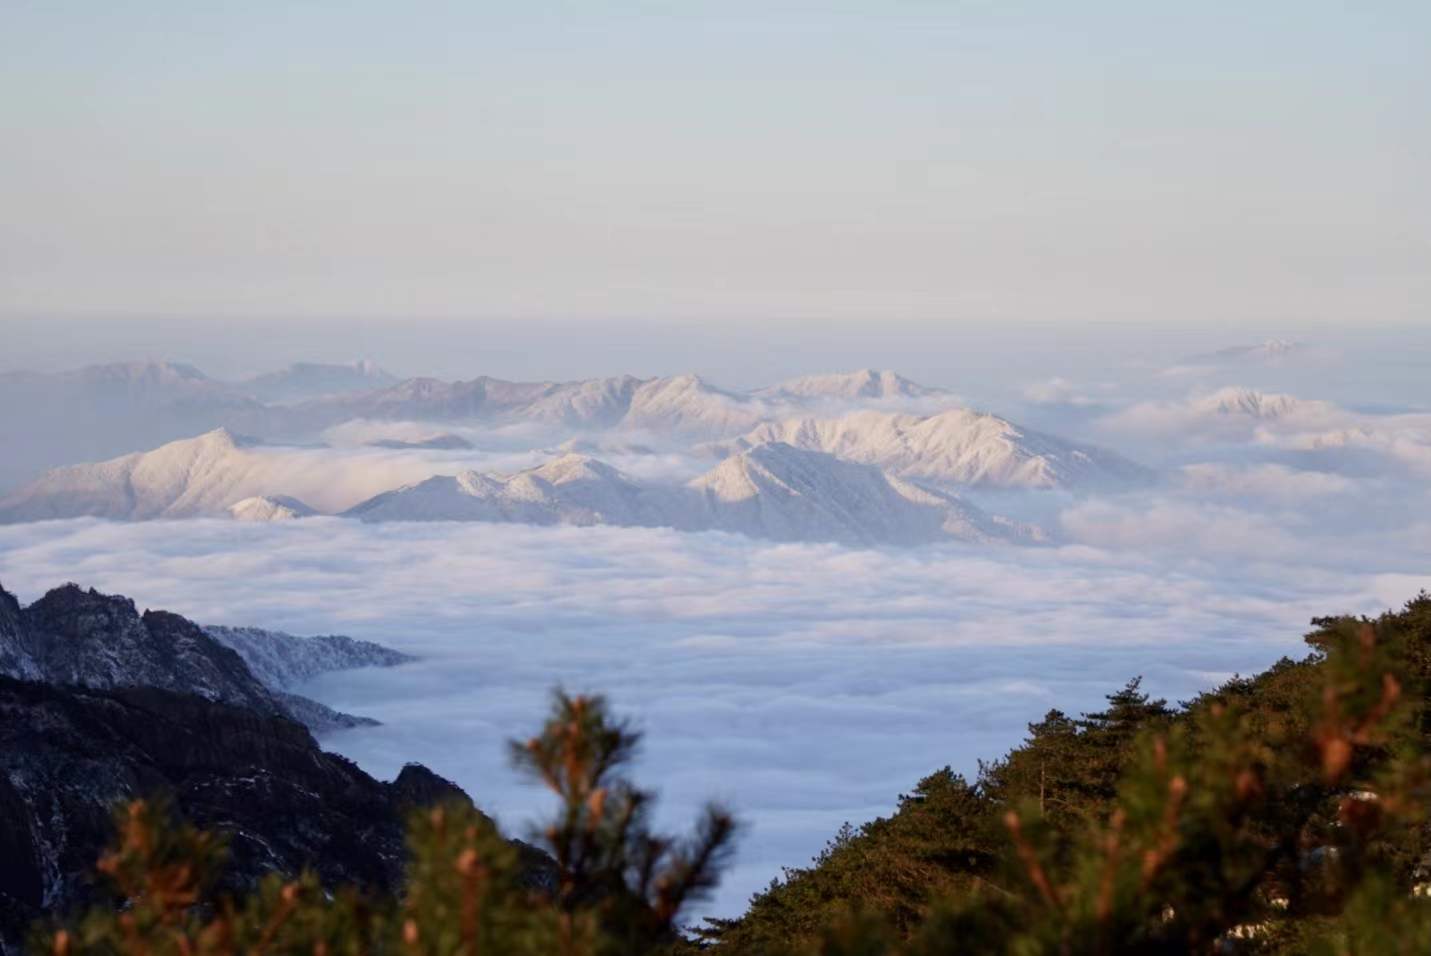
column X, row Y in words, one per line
column 68, row 755
column 80, row 733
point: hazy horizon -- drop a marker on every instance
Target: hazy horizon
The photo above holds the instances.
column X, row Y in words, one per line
column 997, row 359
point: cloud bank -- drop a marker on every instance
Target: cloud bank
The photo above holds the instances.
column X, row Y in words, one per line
column 806, row 684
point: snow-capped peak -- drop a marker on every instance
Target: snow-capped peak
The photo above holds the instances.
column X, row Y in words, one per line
column 775, row 490
column 574, row 466
column 269, row 508
column 955, row 446
column 1246, row 401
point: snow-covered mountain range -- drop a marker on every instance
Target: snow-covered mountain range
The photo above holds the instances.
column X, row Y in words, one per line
column 572, row 489
column 786, row 493
column 681, row 404
column 861, row 457
column 958, row 446
column 100, row 411
column 769, row 491
column 1225, row 412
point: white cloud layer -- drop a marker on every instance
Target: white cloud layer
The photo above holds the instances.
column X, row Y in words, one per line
column 1271, row 482
column 806, row 684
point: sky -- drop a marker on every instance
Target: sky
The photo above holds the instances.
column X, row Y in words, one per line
column 917, row 164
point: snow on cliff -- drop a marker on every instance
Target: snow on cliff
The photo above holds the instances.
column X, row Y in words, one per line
column 284, row 661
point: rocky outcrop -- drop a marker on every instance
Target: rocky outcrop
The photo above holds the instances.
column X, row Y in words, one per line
column 100, row 640
column 74, row 636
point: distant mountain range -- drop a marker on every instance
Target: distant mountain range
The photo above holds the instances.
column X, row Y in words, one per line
column 778, row 491
column 1247, row 402
column 1268, row 350
column 958, row 446
column 106, row 410
column 1225, row 409
column 817, row 458
column 772, row 490
column 309, row 380
column 101, row 411
column 681, row 404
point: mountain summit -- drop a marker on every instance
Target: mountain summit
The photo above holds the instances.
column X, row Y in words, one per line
column 957, row 446
column 74, row 636
column 863, row 384
column 789, row 494
column 307, row 380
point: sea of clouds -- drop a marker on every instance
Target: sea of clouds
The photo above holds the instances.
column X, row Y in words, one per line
column 809, row 685
column 805, row 685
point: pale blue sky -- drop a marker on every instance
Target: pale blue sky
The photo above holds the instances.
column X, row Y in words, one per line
column 909, row 162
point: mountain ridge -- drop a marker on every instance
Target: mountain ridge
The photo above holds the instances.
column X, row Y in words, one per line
column 770, row 491
column 85, row 638
column 954, row 446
